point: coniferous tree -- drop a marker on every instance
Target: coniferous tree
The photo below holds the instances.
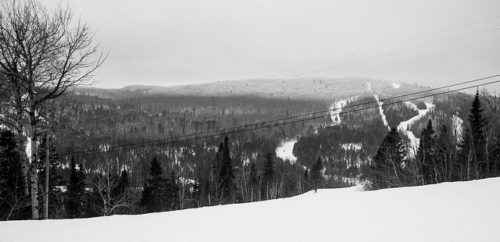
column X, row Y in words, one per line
column 226, row 175
column 153, row 195
column 13, row 201
column 76, row 190
column 478, row 134
column 306, row 181
column 386, row 167
column 123, row 184
column 317, row 174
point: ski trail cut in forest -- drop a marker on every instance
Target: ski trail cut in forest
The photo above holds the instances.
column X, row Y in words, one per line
column 404, row 126
column 381, row 111
column 285, row 151
column 380, row 105
column 336, row 109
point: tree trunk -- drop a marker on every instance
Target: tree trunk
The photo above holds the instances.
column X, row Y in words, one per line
column 33, row 177
column 47, row 170
column 24, row 162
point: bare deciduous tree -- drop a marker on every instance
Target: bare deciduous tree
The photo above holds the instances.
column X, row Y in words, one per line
column 43, row 54
column 105, row 182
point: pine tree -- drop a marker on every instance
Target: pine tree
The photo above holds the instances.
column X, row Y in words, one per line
column 306, row 181
column 225, row 182
column 153, row 195
column 478, row 134
column 123, row 184
column 76, row 190
column 385, row 169
column 317, row 174
column 13, row 201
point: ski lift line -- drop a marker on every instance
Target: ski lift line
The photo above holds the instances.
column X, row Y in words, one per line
column 351, row 106
column 219, row 133
column 495, row 27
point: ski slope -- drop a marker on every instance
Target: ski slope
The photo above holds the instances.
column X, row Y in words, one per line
column 285, row 151
column 403, row 126
column 461, row 211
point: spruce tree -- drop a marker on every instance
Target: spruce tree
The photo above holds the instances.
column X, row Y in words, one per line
column 226, row 184
column 306, row 181
column 317, row 174
column 386, row 167
column 122, row 186
column 13, row 202
column 478, row 134
column 153, row 195
column 76, row 190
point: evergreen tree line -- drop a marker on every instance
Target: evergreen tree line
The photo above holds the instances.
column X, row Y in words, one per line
column 78, row 192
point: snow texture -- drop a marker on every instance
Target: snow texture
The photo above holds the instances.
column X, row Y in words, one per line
column 352, row 146
column 457, row 124
column 336, row 109
column 285, row 151
column 447, row 212
column 380, row 108
column 403, row 126
column 381, row 111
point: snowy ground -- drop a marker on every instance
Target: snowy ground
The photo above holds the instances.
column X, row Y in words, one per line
column 285, row 151
column 403, row 126
column 381, row 111
column 462, row 211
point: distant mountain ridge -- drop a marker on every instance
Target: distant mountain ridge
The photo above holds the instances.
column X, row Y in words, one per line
column 300, row 88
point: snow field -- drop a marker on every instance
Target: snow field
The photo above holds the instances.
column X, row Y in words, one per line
column 460, row 211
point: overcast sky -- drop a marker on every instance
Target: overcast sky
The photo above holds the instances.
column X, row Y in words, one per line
column 165, row 42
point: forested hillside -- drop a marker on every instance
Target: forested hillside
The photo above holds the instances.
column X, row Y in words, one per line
column 134, row 151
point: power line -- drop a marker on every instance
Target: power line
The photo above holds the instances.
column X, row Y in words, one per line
column 250, row 127
column 361, row 104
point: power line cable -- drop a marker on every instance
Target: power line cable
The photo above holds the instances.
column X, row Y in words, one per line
column 218, row 133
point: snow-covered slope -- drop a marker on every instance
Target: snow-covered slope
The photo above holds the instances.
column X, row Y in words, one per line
column 405, row 125
column 461, row 211
column 285, row 151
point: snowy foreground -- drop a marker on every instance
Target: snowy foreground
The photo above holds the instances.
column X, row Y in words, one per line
column 462, row 211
